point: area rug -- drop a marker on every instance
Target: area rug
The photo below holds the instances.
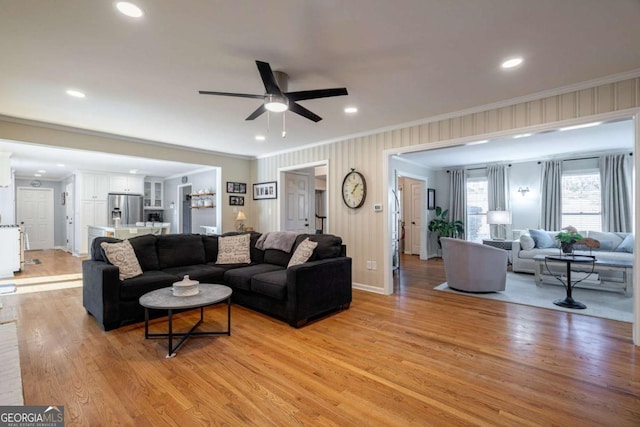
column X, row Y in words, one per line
column 521, row 289
column 11, row 384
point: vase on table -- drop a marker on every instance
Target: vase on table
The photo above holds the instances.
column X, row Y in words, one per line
column 567, row 248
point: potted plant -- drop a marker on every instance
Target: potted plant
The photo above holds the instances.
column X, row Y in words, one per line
column 568, row 237
column 443, row 227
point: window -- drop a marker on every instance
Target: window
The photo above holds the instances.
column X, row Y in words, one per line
column 476, row 227
column 581, row 205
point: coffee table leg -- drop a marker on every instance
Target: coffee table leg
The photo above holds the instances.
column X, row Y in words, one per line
column 171, row 353
column 146, row 323
column 229, row 316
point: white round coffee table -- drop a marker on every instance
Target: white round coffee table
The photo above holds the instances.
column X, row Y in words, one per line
column 163, row 299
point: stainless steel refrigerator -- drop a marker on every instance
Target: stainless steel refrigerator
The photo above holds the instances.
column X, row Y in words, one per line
column 124, row 209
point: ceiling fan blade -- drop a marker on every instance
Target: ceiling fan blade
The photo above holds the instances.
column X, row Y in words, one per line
column 269, row 80
column 257, row 113
column 237, row 95
column 318, row 93
column 299, row 109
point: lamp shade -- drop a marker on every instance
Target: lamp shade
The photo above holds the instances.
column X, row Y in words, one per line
column 241, row 216
column 498, row 217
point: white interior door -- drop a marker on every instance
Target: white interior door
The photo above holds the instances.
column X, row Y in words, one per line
column 35, row 215
column 297, row 202
column 416, row 225
column 68, row 205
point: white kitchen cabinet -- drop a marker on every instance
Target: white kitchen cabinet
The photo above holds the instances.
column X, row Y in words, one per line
column 153, row 194
column 91, row 213
column 94, row 186
column 130, row 184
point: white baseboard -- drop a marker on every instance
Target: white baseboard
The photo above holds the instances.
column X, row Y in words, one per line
column 367, row 288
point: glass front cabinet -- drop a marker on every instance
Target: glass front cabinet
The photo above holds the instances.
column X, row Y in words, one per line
column 153, row 192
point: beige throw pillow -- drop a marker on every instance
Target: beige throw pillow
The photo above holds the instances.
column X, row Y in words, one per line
column 234, row 249
column 303, row 252
column 122, row 256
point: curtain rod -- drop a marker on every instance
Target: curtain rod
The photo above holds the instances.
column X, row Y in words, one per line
column 477, row 169
column 581, row 158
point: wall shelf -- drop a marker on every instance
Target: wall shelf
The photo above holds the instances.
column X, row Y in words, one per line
column 203, row 200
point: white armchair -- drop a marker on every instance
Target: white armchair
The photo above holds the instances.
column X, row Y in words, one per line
column 473, row 267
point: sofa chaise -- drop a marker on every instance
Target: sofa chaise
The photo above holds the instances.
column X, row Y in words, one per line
column 265, row 283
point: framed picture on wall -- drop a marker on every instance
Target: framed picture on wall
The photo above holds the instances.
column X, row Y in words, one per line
column 236, row 187
column 431, row 199
column 236, row 200
column 265, row 190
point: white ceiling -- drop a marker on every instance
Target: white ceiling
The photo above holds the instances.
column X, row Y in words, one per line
column 401, row 61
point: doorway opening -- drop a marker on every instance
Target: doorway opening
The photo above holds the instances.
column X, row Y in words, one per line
column 304, row 204
column 183, row 209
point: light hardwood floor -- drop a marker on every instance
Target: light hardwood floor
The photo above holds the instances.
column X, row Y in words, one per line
column 418, row 357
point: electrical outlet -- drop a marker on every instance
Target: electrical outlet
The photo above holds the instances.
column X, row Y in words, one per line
column 368, row 265
column 374, row 265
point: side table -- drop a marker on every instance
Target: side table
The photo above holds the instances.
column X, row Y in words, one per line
column 500, row 244
column 569, row 302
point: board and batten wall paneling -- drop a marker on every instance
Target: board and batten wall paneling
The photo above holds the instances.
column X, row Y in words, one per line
column 362, row 229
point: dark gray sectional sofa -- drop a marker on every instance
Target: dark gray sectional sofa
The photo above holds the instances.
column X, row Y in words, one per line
column 294, row 294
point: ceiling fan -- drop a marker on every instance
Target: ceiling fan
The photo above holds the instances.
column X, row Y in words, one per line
column 277, row 99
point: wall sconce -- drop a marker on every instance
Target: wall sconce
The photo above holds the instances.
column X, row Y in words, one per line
column 523, row 190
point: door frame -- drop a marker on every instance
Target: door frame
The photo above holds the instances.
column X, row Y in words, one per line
column 281, row 206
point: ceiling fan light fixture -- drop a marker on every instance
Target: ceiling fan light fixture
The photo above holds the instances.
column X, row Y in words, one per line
column 276, row 103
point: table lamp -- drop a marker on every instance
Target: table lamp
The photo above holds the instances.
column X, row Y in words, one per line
column 499, row 218
column 240, row 220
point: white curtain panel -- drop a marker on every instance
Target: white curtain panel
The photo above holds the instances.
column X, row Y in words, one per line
column 615, row 176
column 457, row 197
column 551, row 195
column 498, row 196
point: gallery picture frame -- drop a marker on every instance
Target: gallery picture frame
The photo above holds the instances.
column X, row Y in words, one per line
column 265, row 190
column 236, row 200
column 236, row 187
column 431, row 199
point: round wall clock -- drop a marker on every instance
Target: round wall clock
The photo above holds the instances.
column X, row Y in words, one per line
column 185, row 179
column 354, row 189
column 36, row 183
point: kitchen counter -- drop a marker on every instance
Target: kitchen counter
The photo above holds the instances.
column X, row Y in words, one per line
column 126, row 231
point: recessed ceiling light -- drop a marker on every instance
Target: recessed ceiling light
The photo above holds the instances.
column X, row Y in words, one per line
column 586, row 125
column 129, row 9
column 133, row 171
column 512, row 62
column 260, row 138
column 75, row 93
column 484, row 141
column 351, row 110
column 60, row 165
column 37, row 175
column 522, row 135
column 42, row 171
